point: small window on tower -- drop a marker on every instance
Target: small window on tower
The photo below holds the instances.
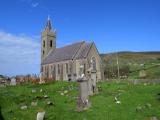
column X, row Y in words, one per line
column 43, row 52
column 43, row 43
column 50, row 43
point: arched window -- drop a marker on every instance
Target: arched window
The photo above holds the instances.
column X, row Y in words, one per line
column 43, row 43
column 50, row 43
column 43, row 52
column 93, row 63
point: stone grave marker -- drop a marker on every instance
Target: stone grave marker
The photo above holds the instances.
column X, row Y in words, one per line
column 83, row 98
column 13, row 82
column 41, row 76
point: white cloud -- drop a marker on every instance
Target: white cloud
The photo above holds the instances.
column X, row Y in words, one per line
column 19, row 54
column 34, row 4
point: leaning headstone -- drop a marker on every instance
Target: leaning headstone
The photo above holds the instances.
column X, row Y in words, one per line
column 45, row 96
column 49, row 103
column 41, row 115
column 13, row 82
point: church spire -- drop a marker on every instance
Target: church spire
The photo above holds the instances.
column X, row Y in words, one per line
column 48, row 25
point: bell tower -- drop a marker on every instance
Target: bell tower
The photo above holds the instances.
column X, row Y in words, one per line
column 48, row 40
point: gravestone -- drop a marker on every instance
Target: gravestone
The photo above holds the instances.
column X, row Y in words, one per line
column 41, row 76
column 92, row 79
column 13, row 82
column 91, row 76
column 83, row 98
column 40, row 115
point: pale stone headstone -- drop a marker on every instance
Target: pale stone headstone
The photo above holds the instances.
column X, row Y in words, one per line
column 142, row 74
column 41, row 76
column 23, row 107
column 40, row 115
column 45, row 96
column 13, row 82
column 33, row 91
column 34, row 104
column 83, row 102
column 49, row 103
column 83, row 99
column 66, row 91
column 92, row 79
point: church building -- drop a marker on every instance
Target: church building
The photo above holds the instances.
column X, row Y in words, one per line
column 64, row 63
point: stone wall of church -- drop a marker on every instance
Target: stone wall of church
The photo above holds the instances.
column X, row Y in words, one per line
column 64, row 70
column 94, row 53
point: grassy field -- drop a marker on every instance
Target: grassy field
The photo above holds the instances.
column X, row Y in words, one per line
column 138, row 102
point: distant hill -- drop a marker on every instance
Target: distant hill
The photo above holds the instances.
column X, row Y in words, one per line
column 138, row 65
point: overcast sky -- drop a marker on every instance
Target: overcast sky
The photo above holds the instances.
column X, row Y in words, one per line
column 114, row 25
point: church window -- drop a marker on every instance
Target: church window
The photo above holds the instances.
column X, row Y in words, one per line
column 50, row 43
column 93, row 63
column 43, row 43
column 43, row 52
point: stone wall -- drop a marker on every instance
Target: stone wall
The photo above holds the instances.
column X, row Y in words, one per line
column 94, row 53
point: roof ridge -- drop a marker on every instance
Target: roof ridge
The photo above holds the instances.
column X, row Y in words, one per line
column 70, row 45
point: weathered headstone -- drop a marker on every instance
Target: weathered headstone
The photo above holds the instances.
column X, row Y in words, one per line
column 33, row 91
column 40, row 115
column 23, row 107
column 13, row 82
column 49, row 103
column 41, row 76
column 92, row 79
column 33, row 103
column 83, row 98
column 91, row 76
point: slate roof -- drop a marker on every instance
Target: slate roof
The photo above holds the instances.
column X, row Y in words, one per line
column 74, row 51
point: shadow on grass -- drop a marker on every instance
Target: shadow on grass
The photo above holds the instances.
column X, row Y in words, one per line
column 1, row 117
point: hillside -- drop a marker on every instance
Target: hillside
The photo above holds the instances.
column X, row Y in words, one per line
column 132, row 64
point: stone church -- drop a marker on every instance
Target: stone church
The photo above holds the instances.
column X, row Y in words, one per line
column 64, row 63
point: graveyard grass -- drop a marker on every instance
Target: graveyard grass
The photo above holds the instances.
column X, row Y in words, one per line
column 64, row 108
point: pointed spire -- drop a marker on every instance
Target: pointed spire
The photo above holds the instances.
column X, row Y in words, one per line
column 48, row 25
column 48, row 17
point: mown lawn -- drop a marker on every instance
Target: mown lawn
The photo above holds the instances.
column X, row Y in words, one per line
column 103, row 105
